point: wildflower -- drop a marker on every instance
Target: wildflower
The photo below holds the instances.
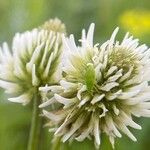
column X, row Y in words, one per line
column 54, row 25
column 102, row 88
column 33, row 61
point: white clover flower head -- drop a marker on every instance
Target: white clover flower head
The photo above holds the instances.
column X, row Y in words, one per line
column 101, row 90
column 55, row 25
column 33, row 61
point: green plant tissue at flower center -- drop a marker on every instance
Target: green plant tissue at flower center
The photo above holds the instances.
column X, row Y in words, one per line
column 89, row 77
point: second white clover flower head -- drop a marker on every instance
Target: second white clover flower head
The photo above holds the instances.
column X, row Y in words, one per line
column 102, row 88
column 33, row 61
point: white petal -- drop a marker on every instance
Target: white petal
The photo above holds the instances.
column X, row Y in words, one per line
column 126, row 131
column 75, row 126
column 97, row 132
column 111, row 70
column 109, row 86
column 54, row 88
column 65, row 101
column 9, row 87
column 90, row 34
column 35, row 80
column 127, row 95
column 24, row 98
column 97, row 98
column 83, row 101
column 68, row 85
column 48, row 102
column 80, row 91
column 53, row 117
column 112, row 96
column 126, row 76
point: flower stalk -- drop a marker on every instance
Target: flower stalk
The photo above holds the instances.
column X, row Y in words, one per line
column 36, row 125
column 56, row 143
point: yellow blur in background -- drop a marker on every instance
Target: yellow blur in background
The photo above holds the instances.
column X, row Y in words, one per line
column 136, row 21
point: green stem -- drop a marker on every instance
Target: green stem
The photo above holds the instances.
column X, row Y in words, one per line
column 105, row 143
column 56, row 143
column 36, row 125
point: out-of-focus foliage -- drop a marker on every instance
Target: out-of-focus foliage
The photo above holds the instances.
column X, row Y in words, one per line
column 21, row 15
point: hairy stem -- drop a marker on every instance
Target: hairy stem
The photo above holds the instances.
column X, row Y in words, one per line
column 36, row 125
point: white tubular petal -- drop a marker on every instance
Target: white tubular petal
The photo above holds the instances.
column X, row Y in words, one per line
column 9, row 87
column 83, row 38
column 54, row 88
column 24, row 98
column 52, row 130
column 116, row 110
column 35, row 80
column 97, row 132
column 78, row 123
column 102, row 51
column 140, row 87
column 137, row 99
column 128, row 120
column 112, row 141
column 34, row 58
column 112, row 96
column 90, row 34
column 87, row 131
column 143, row 112
column 48, row 102
column 126, row 131
column 65, row 44
column 111, row 70
column 105, row 61
column 73, row 46
column 6, row 51
column 126, row 76
column 59, row 130
column 6, row 75
column 83, row 101
column 134, row 91
column 57, row 75
column 97, row 98
column 83, row 135
column 112, row 39
column 82, row 89
column 114, row 78
column 47, row 69
column 127, row 95
column 68, row 85
column 125, row 38
column 98, row 71
column 18, row 71
column 109, row 86
column 44, row 55
column 144, row 105
column 53, row 117
column 65, row 101
column 136, row 80
column 111, row 126
column 102, row 106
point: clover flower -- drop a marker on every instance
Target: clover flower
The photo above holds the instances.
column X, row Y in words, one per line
column 34, row 60
column 54, row 25
column 101, row 90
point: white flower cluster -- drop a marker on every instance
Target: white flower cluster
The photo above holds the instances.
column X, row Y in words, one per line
column 32, row 61
column 101, row 89
column 90, row 89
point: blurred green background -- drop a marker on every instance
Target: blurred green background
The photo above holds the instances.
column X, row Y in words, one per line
column 22, row 15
